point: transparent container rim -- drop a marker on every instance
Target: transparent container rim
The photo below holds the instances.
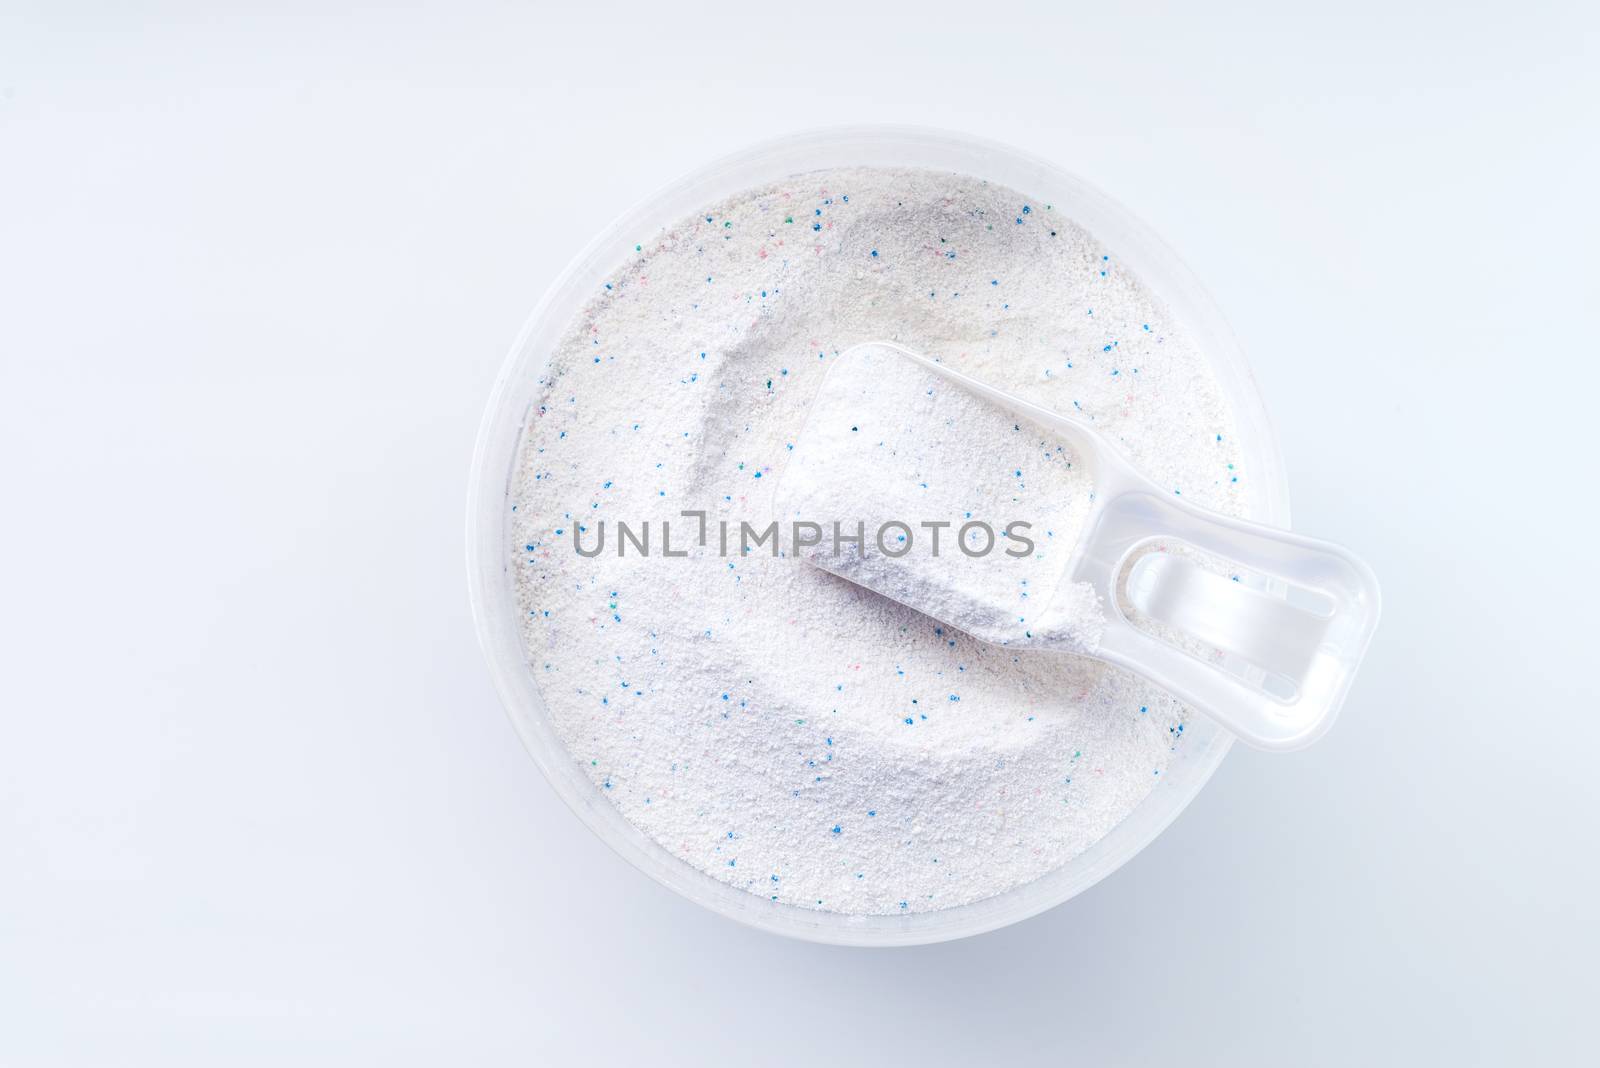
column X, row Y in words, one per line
column 499, row 438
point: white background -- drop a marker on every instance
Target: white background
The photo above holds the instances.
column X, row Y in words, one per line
column 257, row 274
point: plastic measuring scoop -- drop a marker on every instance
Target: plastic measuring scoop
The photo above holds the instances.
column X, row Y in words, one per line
column 897, row 448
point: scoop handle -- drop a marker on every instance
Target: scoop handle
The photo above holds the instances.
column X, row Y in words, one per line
column 1301, row 650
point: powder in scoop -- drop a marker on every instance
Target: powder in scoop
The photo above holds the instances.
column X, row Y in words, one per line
column 962, row 509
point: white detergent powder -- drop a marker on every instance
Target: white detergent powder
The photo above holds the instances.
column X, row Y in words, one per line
column 960, row 509
column 773, row 725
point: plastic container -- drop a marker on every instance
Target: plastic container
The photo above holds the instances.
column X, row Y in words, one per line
column 488, row 515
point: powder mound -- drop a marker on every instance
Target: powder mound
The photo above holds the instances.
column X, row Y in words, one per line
column 772, row 725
